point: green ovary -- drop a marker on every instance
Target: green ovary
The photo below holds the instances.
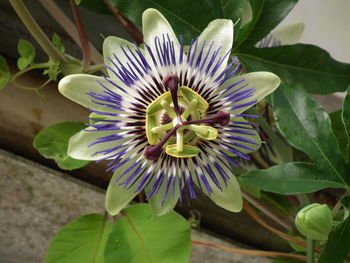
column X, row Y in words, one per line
column 182, row 144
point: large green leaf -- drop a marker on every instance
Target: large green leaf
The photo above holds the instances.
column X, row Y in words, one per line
column 80, row 241
column 142, row 237
column 301, row 66
column 346, row 120
column 340, row 131
column 188, row 18
column 291, row 178
column 267, row 14
column 52, row 143
column 307, row 127
column 338, row 245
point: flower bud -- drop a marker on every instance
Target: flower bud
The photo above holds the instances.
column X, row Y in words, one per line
column 314, row 221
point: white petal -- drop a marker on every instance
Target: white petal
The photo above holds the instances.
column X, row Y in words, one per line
column 155, row 24
column 264, row 83
column 255, row 137
column 113, row 45
column 230, row 198
column 79, row 144
column 118, row 196
column 289, row 34
column 220, row 32
column 75, row 87
column 156, row 201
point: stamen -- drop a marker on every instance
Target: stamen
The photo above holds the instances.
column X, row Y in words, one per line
column 162, row 128
column 190, row 108
column 171, row 82
column 168, row 109
column 222, row 118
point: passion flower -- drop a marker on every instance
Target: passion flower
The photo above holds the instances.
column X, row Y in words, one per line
column 169, row 116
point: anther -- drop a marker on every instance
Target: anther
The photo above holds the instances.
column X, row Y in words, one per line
column 152, row 152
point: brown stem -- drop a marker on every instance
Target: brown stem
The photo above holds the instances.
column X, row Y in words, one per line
column 69, row 27
column 262, row 222
column 249, row 251
column 36, row 31
column 281, row 220
column 129, row 26
column 82, row 35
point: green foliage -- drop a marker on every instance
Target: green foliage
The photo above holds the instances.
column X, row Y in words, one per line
column 305, row 124
column 346, row 121
column 339, row 131
column 5, row 74
column 338, row 245
column 181, row 15
column 290, row 178
column 52, row 143
column 80, row 241
column 52, row 71
column 27, row 53
column 142, row 237
column 56, row 41
column 301, row 66
column 267, row 14
column 345, row 201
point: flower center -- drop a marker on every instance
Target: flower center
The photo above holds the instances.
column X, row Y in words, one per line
column 183, row 109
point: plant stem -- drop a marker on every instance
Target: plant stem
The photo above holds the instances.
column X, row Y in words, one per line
column 249, row 251
column 36, row 89
column 283, row 221
column 69, row 27
column 126, row 23
column 35, row 66
column 82, row 35
column 303, row 199
column 36, row 31
column 310, row 253
column 262, row 222
column 339, row 204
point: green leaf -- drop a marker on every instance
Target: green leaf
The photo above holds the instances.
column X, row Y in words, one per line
column 301, row 66
column 5, row 74
column 307, row 127
column 291, row 178
column 338, row 245
column 52, row 143
column 80, row 241
column 77, row 2
column 56, row 40
column 345, row 201
column 53, row 70
column 181, row 15
column 27, row 53
column 340, row 131
column 267, row 14
column 346, row 120
column 142, row 237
